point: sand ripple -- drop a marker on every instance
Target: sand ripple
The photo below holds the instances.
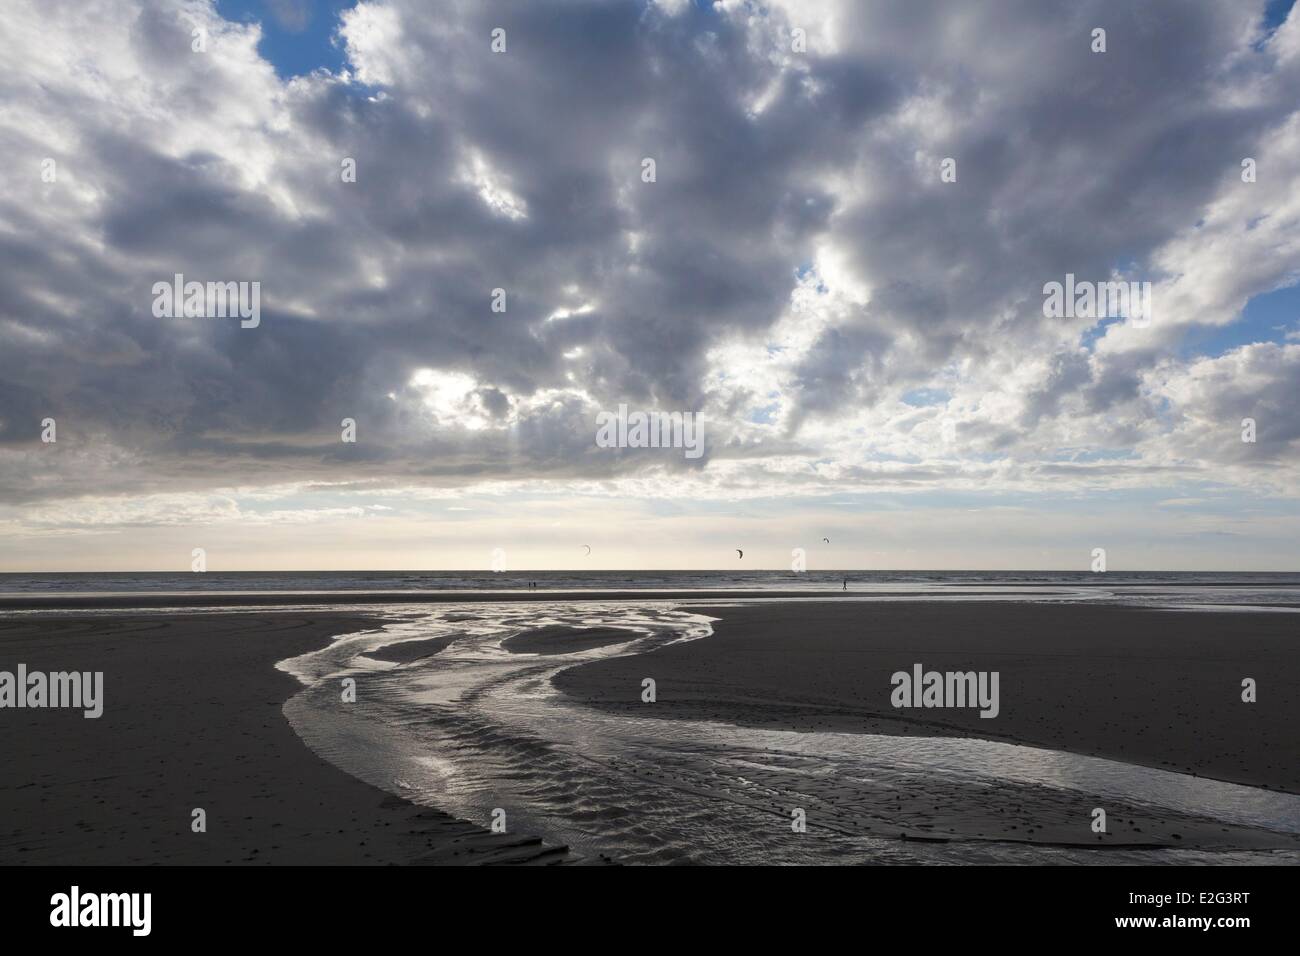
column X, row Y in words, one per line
column 474, row 726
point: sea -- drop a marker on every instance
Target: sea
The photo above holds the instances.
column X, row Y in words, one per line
column 1174, row 588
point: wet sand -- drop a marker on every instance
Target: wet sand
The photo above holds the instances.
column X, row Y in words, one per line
column 640, row 789
column 412, row 650
column 1155, row 688
column 192, row 718
column 565, row 640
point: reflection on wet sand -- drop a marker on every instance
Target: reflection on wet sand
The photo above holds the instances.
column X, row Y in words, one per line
column 468, row 725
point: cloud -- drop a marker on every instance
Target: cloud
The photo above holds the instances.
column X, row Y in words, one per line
column 796, row 269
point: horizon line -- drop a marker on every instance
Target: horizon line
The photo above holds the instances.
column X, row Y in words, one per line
column 518, row 571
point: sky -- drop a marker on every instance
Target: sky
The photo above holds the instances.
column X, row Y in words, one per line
column 857, row 324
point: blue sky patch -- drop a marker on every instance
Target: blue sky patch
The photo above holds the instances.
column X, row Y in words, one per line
column 297, row 35
column 1276, row 13
column 1266, row 318
column 922, row 397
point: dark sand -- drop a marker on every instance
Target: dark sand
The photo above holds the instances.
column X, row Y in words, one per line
column 192, row 718
column 409, row 651
column 557, row 639
column 1157, row 688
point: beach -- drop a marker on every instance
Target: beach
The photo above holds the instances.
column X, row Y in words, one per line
column 192, row 719
column 1160, row 688
column 195, row 717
